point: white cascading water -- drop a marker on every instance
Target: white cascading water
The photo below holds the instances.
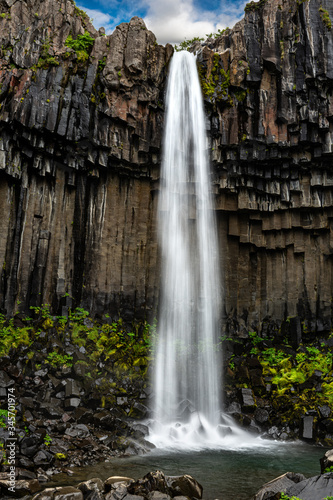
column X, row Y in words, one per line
column 187, row 373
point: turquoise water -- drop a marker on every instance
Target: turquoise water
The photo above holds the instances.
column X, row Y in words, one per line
column 224, row 474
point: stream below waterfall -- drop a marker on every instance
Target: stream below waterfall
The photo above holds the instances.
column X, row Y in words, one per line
column 224, row 474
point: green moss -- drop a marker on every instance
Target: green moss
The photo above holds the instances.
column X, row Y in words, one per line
column 101, row 64
column 282, row 49
column 325, row 17
column 216, row 84
column 46, row 59
column 58, row 360
column 81, row 13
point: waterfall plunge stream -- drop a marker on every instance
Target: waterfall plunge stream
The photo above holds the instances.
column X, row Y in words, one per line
column 187, row 375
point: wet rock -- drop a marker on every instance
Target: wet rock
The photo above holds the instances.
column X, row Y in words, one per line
column 168, row 485
column 122, row 400
column 5, row 380
column 138, row 411
column 234, row 408
column 65, row 493
column 43, row 458
column 22, row 487
column 111, row 481
column 308, row 430
column 92, row 489
column 184, row 485
column 326, row 461
column 157, row 495
column 72, row 403
column 29, row 446
column 72, row 389
column 83, row 415
column 325, row 411
column 140, row 430
column 280, row 484
column 117, row 492
column 314, row 487
column 79, row 430
column 153, row 481
column 248, row 402
column 261, row 415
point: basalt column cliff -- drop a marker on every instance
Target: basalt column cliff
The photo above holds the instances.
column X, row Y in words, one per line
column 80, row 142
column 81, row 123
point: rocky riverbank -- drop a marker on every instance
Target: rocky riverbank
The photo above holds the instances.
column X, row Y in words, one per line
column 80, row 389
column 153, row 486
column 298, row 487
column 75, row 389
column 158, row 486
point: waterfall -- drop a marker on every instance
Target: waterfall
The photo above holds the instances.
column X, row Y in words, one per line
column 187, row 383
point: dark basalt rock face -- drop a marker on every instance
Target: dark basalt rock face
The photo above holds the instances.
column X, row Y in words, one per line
column 79, row 149
column 271, row 138
column 80, row 154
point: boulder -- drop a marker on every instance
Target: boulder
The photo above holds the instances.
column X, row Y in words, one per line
column 79, row 430
column 60, row 493
column 248, row 401
column 184, row 485
column 92, row 489
column 326, row 461
column 43, row 457
column 117, row 492
column 22, row 487
column 153, row 481
column 29, row 446
column 278, row 485
column 167, row 485
column 157, row 495
column 325, row 411
column 308, row 431
column 5, row 381
column 261, row 415
column 317, row 487
column 108, row 484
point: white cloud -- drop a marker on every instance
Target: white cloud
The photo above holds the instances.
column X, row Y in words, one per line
column 173, row 21
column 101, row 19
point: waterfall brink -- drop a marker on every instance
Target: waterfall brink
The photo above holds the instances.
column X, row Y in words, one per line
column 187, row 384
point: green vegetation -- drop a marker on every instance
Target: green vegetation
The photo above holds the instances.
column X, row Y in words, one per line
column 12, row 337
column 329, row 469
column 82, row 45
column 283, row 496
column 81, row 13
column 101, row 64
column 47, row 440
column 125, row 350
column 325, row 17
column 216, row 84
column 3, row 416
column 45, row 60
column 218, row 33
column 59, row 360
column 253, row 6
column 293, row 381
column 186, row 44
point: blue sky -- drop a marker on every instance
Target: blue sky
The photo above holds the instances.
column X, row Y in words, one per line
column 170, row 20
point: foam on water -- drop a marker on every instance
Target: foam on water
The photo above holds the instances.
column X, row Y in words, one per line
column 198, row 434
